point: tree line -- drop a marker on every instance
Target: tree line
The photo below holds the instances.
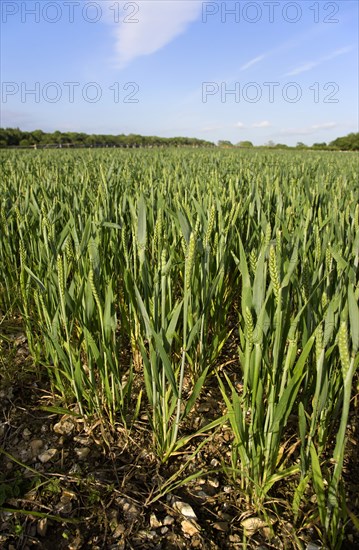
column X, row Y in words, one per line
column 14, row 137
column 346, row 143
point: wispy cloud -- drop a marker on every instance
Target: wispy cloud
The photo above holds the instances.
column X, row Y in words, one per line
column 308, row 130
column 261, row 124
column 240, row 125
column 252, row 62
column 312, row 64
column 158, row 24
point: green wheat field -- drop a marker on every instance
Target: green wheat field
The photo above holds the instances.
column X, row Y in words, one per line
column 144, row 277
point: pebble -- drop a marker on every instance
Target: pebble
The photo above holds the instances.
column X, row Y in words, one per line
column 64, row 427
column 251, row 525
column 189, row 528
column 26, row 433
column 154, row 523
column 169, row 520
column 48, row 455
column 184, row 509
column 213, row 483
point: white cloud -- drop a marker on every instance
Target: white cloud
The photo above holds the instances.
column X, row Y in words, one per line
column 262, row 124
column 312, row 64
column 159, row 22
column 324, row 126
column 252, row 62
column 239, row 125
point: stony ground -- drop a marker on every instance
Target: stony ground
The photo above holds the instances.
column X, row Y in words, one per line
column 67, row 483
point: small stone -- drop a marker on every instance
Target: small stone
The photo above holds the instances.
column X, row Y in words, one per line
column 164, row 530
column 48, row 455
column 64, row 427
column 251, row 525
column 154, row 523
column 184, row 509
column 214, row 463
column 26, row 433
column 189, row 528
column 35, row 446
column 82, row 452
column 213, row 483
column 169, row 520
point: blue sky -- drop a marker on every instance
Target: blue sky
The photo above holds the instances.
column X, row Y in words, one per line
column 263, row 71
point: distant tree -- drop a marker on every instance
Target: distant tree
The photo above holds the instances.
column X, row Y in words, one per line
column 245, row 144
column 281, row 146
column 347, row 143
column 322, row 145
column 224, row 143
column 301, row 145
column 270, row 144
